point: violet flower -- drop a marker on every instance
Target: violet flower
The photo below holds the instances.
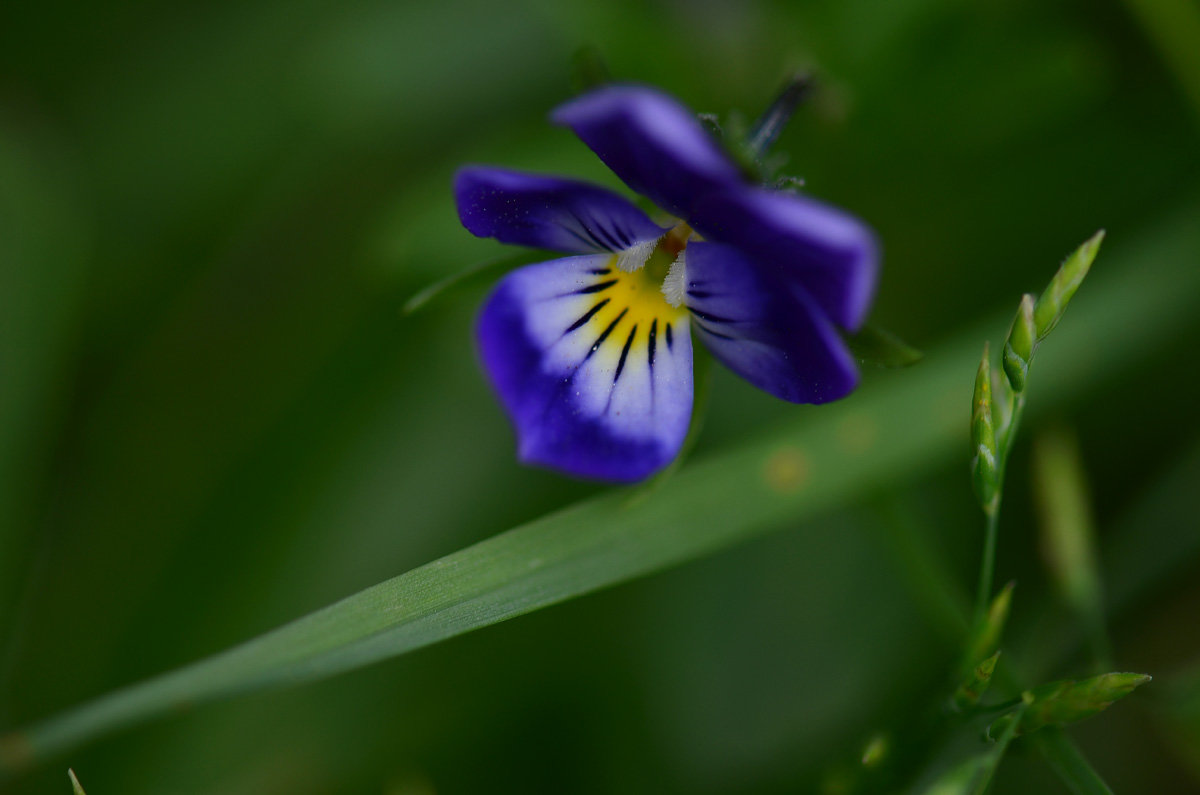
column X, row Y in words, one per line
column 591, row 354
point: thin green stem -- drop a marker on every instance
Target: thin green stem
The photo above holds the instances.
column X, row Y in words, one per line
column 1055, row 747
column 987, row 566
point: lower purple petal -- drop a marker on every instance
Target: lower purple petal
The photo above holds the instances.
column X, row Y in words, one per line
column 592, row 390
column 831, row 254
column 766, row 330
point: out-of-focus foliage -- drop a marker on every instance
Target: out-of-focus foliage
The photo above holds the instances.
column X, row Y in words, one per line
column 214, row 416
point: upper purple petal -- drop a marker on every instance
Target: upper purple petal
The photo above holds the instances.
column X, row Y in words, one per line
column 548, row 212
column 831, row 254
column 766, row 330
column 593, row 389
column 653, row 143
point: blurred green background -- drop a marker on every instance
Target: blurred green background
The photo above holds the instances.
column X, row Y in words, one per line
column 215, row 418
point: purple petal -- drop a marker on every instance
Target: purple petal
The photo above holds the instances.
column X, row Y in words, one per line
column 767, row 331
column 586, row 377
column 831, row 254
column 653, row 143
column 547, row 212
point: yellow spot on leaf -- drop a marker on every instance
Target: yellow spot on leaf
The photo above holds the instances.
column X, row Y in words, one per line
column 787, row 470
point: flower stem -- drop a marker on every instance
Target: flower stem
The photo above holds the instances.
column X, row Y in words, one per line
column 775, row 118
column 987, row 566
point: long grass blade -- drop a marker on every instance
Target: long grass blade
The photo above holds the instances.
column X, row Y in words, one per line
column 824, row 457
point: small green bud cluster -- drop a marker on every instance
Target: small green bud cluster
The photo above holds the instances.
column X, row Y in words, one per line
column 997, row 400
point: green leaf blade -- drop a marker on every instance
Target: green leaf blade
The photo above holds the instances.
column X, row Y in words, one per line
column 466, row 277
column 805, row 466
column 1069, row 764
column 880, row 347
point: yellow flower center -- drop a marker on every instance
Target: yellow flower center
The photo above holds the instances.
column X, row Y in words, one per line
column 636, row 302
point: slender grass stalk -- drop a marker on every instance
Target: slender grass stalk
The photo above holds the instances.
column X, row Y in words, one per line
column 999, row 404
column 997, row 407
column 987, row 566
column 987, row 563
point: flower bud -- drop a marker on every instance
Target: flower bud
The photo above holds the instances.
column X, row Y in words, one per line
column 1067, row 701
column 1053, row 302
column 986, row 636
column 1020, row 345
column 972, row 689
column 984, row 473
